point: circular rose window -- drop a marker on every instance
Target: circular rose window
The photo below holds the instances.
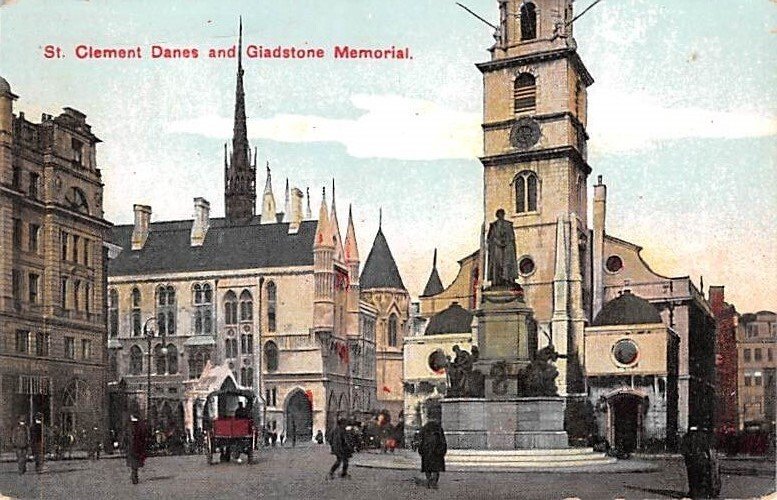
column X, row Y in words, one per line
column 526, row 266
column 438, row 361
column 625, row 352
column 614, row 263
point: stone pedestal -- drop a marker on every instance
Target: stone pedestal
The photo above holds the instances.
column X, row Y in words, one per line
column 507, row 340
column 506, row 424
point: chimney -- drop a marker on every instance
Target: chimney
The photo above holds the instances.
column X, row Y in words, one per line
column 142, row 221
column 201, row 221
column 295, row 218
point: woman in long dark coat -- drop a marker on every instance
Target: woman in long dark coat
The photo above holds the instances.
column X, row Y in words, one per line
column 432, row 447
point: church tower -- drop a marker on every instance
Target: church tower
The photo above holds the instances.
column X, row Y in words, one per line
column 535, row 165
column 239, row 172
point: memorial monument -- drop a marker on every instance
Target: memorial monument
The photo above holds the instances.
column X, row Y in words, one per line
column 503, row 397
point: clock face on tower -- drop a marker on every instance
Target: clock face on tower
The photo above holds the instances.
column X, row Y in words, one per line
column 76, row 200
column 525, row 133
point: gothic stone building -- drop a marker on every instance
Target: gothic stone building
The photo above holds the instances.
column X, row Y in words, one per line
column 535, row 167
column 275, row 297
column 52, row 322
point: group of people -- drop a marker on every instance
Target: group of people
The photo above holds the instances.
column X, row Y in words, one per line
column 431, row 446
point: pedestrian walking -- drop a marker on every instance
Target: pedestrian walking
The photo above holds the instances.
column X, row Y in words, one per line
column 136, row 446
column 432, row 448
column 701, row 464
column 341, row 448
column 319, row 437
column 37, row 442
column 20, row 439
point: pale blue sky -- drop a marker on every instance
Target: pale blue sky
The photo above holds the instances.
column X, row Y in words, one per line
column 682, row 118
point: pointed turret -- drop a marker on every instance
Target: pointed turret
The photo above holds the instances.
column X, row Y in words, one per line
column 434, row 283
column 268, row 200
column 287, row 203
column 308, row 211
column 351, row 247
column 380, row 269
column 240, row 174
column 336, row 238
column 323, row 230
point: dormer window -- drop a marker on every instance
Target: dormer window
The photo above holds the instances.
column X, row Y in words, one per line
column 528, row 21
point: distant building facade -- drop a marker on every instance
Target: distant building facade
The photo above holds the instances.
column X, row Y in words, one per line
column 273, row 297
column 52, row 271
column 726, row 361
column 757, row 348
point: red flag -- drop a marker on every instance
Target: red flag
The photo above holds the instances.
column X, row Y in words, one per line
column 309, row 395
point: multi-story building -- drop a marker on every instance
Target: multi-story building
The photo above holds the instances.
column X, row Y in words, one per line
column 52, row 270
column 757, row 348
column 535, row 168
column 274, row 297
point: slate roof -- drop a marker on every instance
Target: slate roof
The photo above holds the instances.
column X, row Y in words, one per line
column 227, row 246
column 433, row 285
column 454, row 319
column 628, row 309
column 380, row 270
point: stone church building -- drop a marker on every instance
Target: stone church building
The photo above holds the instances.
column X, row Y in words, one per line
column 274, row 297
column 535, row 168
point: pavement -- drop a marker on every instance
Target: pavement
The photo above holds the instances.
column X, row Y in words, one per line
column 300, row 473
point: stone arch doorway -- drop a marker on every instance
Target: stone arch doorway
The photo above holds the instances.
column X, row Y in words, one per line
column 299, row 416
column 625, row 423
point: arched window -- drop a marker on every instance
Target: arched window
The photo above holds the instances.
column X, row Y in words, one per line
column 113, row 313
column 392, row 330
column 230, row 308
column 136, row 361
column 203, row 308
column 272, row 298
column 247, row 377
column 166, row 311
column 247, row 342
column 160, row 359
column 113, row 365
column 136, row 322
column 528, row 21
column 197, row 362
column 271, row 356
column 172, row 359
column 524, row 93
column 526, row 192
column 246, row 306
column 230, row 348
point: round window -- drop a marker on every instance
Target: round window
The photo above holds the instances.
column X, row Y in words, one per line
column 437, row 361
column 614, row 263
column 526, row 266
column 625, row 352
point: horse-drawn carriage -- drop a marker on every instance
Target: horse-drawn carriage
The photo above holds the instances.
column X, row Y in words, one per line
column 229, row 424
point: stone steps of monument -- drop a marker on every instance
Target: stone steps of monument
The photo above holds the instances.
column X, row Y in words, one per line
column 527, row 458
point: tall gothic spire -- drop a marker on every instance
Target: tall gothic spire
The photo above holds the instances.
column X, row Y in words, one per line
column 240, row 188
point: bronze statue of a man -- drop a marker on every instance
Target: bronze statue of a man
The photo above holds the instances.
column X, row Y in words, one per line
column 502, row 265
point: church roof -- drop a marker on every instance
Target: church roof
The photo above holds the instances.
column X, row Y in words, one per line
column 628, row 309
column 454, row 319
column 434, row 284
column 228, row 245
column 380, row 269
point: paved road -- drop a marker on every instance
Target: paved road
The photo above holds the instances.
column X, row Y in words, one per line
column 300, row 474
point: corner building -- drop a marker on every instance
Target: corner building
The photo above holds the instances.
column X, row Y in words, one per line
column 52, row 271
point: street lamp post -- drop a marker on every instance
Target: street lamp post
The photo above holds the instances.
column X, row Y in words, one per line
column 149, row 334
